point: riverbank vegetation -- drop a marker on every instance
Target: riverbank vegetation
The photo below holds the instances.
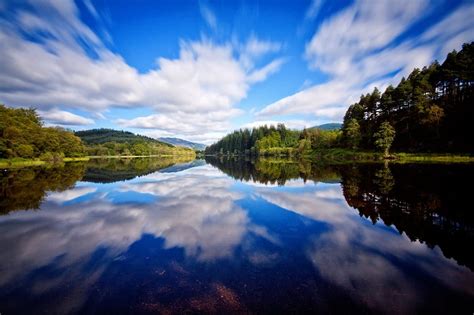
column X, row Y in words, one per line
column 109, row 142
column 23, row 135
column 25, row 141
column 428, row 112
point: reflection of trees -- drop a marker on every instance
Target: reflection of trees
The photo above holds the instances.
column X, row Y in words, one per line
column 112, row 170
column 273, row 171
column 22, row 189
column 384, row 180
column 25, row 188
column 428, row 202
column 194, row 211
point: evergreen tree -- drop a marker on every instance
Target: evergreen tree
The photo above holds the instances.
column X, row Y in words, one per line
column 352, row 133
column 384, row 137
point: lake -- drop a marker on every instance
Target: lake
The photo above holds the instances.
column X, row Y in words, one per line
column 236, row 236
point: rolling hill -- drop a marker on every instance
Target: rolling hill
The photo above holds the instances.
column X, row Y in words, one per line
column 329, row 126
column 101, row 136
column 183, row 143
column 109, row 142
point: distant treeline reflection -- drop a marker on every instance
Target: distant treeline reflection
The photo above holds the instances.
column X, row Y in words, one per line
column 113, row 170
column 273, row 171
column 428, row 202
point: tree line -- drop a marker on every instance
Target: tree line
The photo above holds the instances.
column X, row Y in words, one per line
column 109, row 142
column 23, row 135
column 258, row 140
column 429, row 111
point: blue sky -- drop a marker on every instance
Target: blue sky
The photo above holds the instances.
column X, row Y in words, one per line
column 199, row 69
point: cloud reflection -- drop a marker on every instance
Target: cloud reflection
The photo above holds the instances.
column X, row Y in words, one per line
column 195, row 210
column 364, row 260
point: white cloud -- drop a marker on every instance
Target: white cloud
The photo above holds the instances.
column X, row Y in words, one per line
column 358, row 49
column 91, row 8
column 360, row 29
column 60, row 117
column 255, row 48
column 262, row 73
column 313, row 9
column 208, row 15
column 183, row 122
column 195, row 92
column 454, row 30
column 325, row 100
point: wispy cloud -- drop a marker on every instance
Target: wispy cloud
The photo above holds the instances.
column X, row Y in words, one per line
column 64, row 64
column 262, row 73
column 61, row 117
column 91, row 8
column 360, row 47
column 252, row 50
column 208, row 15
column 313, row 9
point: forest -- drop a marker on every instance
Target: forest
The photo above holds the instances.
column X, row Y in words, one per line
column 429, row 111
column 23, row 135
column 109, row 142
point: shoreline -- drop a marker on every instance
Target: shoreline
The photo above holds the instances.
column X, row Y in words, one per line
column 331, row 156
column 20, row 162
column 335, row 156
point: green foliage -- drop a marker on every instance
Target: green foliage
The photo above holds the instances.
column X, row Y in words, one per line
column 322, row 139
column 270, row 141
column 384, row 137
column 431, row 109
column 103, row 135
column 109, row 142
column 352, row 134
column 22, row 135
column 261, row 140
column 276, row 141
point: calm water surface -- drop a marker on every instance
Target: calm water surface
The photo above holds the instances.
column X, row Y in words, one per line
column 227, row 236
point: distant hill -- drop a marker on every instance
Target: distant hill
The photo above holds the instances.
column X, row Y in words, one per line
column 100, row 136
column 183, row 166
column 109, row 142
column 329, row 126
column 183, row 143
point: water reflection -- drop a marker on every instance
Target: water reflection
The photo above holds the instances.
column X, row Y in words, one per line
column 113, row 170
column 26, row 188
column 274, row 171
column 286, row 237
column 429, row 203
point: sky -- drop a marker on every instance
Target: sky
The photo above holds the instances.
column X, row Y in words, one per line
column 197, row 70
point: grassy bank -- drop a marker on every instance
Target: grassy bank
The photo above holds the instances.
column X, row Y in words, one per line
column 20, row 162
column 339, row 155
column 344, row 155
column 138, row 156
